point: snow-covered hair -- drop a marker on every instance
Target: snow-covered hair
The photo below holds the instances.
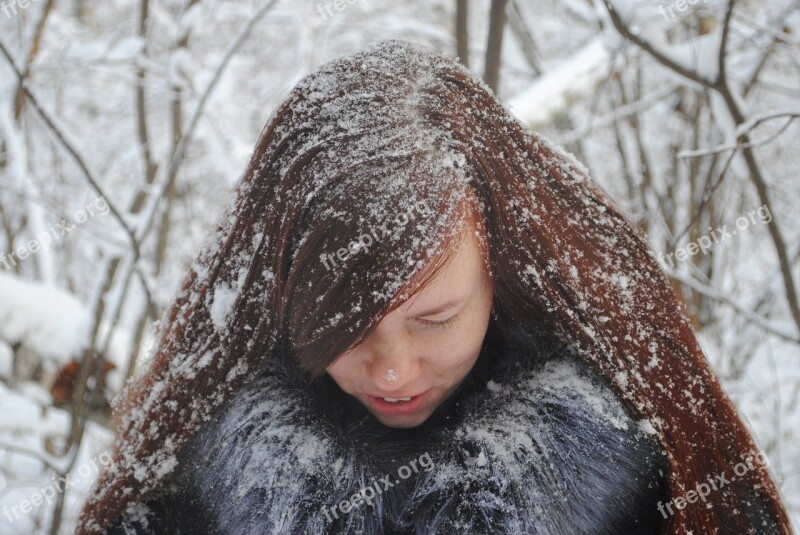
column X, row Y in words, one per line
column 360, row 182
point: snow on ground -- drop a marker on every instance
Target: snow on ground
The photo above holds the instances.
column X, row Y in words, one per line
column 87, row 82
column 59, row 330
column 29, row 489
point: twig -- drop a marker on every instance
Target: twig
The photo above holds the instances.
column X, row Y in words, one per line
column 720, row 85
column 68, row 146
column 741, row 130
column 717, row 295
column 134, row 243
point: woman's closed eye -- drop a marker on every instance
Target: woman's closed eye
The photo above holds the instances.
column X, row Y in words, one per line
column 439, row 324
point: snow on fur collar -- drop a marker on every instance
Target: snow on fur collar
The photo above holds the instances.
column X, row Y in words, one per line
column 531, row 442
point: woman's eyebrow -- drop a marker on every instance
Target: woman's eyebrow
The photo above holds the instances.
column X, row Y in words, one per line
column 439, row 308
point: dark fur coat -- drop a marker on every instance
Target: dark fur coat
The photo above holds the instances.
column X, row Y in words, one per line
column 531, row 442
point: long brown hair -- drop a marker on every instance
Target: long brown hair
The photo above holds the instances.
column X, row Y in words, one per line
column 390, row 143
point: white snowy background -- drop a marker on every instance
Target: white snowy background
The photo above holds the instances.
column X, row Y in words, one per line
column 137, row 117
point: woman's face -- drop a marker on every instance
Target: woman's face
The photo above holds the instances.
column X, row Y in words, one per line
column 430, row 342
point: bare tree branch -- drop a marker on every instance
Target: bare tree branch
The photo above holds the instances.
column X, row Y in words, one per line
column 525, row 38
column 180, row 150
column 462, row 31
column 19, row 99
column 494, row 46
column 722, row 86
column 623, row 29
column 717, row 295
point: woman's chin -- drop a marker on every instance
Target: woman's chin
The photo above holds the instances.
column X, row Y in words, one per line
column 402, row 421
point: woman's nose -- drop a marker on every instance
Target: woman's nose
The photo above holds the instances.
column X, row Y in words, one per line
column 395, row 367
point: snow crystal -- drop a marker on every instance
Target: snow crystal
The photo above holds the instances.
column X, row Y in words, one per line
column 206, row 359
column 224, row 298
column 647, row 426
column 622, row 379
column 492, row 386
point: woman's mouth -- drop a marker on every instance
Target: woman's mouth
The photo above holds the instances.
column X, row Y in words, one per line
column 397, row 405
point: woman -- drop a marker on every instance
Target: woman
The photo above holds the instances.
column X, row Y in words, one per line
column 419, row 317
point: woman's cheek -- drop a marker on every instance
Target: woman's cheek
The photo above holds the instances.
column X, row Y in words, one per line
column 344, row 370
column 456, row 349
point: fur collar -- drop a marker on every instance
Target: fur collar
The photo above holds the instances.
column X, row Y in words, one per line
column 531, row 442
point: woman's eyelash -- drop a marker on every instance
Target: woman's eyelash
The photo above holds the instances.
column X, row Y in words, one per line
column 440, row 324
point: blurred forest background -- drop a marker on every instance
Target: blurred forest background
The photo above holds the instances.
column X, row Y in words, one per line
column 124, row 125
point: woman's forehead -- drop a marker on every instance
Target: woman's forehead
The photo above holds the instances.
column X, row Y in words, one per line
column 454, row 279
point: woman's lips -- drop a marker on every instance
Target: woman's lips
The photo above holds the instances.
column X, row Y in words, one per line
column 398, row 408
